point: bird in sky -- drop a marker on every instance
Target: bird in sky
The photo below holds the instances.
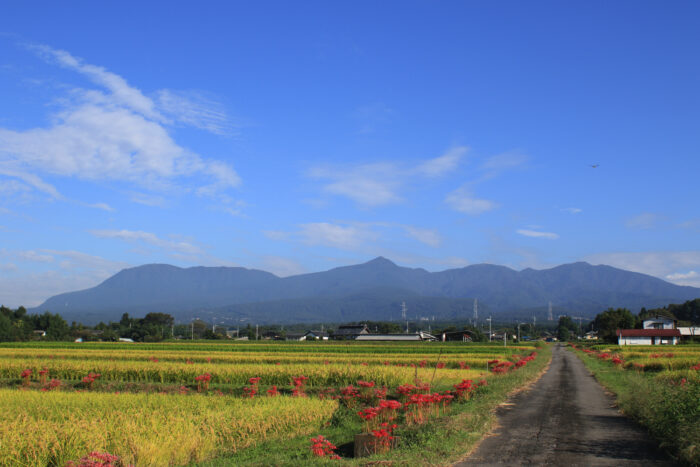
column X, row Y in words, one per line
column 595, row 165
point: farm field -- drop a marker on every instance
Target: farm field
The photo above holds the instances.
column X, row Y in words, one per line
column 658, row 386
column 179, row 403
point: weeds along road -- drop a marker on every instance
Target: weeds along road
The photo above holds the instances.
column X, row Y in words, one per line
column 565, row 419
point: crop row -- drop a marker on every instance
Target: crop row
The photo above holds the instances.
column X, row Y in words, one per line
column 387, row 359
column 327, row 347
column 237, row 375
column 39, row 428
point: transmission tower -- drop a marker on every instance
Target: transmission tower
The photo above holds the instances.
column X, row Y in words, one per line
column 549, row 313
column 403, row 314
column 476, row 311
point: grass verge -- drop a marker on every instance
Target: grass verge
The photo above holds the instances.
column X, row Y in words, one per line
column 668, row 409
column 440, row 441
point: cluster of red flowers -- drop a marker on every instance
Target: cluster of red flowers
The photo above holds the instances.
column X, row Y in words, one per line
column 252, row 390
column 384, row 435
column 617, row 360
column 366, row 384
column 463, row 366
column 90, row 379
column 96, row 459
column 203, row 382
column 153, row 359
column 298, row 383
column 321, row 447
column 53, row 384
column 25, row 375
column 661, row 355
column 43, row 374
column 696, row 367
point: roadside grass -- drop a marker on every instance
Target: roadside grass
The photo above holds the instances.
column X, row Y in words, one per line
column 668, row 408
column 440, row 441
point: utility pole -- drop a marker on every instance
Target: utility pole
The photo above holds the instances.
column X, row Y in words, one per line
column 256, row 332
column 489, row 320
column 403, row 314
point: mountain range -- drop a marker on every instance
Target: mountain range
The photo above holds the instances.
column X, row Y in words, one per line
column 374, row 290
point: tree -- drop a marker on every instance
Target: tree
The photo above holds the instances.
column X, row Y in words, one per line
column 608, row 322
column 565, row 328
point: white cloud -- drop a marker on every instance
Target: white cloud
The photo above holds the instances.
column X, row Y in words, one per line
column 680, row 276
column 499, row 163
column 194, row 109
column 537, row 234
column 344, row 237
column 463, row 201
column 174, row 246
column 75, row 271
column 113, row 134
column 646, row 220
column 369, row 184
column 282, row 267
column 573, row 210
column 656, row 263
column 428, row 236
column 443, row 164
column 380, row 183
column 102, row 206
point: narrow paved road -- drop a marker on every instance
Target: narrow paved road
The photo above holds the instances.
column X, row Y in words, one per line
column 565, row 419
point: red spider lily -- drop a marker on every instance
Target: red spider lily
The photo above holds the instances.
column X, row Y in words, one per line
column 380, row 393
column 366, row 384
column 90, row 379
column 25, row 375
column 254, row 381
column 189, row 362
column 390, row 404
column 696, row 367
column 250, row 391
column 53, row 384
column 298, row 383
column 440, row 365
column 387, row 363
column 203, row 382
column 183, row 390
column 364, row 364
column 153, row 359
column 464, row 389
column 43, row 374
column 208, row 359
column 326, row 362
column 423, row 363
column 96, row 459
column 406, row 389
column 492, row 362
column 463, row 366
column 321, row 447
column 272, row 392
column 617, row 361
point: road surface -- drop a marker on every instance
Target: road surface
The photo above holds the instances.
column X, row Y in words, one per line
column 565, row 419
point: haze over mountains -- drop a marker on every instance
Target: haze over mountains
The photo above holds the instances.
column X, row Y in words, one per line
column 368, row 291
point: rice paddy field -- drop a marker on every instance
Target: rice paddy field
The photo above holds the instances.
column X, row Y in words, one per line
column 184, row 403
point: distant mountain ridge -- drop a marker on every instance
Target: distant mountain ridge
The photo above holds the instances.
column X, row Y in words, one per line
column 371, row 290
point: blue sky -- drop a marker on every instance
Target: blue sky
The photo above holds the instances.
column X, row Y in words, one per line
column 300, row 136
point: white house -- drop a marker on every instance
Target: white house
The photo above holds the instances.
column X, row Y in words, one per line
column 659, row 322
column 648, row 336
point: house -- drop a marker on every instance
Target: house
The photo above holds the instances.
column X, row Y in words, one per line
column 126, row 339
column 39, row 333
column 316, row 335
column 293, row 336
column 417, row 337
column 350, row 331
column 591, row 335
column 659, row 322
column 648, row 336
column 686, row 332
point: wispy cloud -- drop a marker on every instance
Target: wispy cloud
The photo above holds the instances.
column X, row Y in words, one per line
column 380, row 183
column 573, row 210
column 194, row 109
column 537, row 234
column 646, row 220
column 344, row 237
column 495, row 165
column 102, row 206
column 463, row 200
column 281, row 266
column 669, row 265
column 136, row 236
column 444, row 164
column 429, row 237
column 114, row 132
